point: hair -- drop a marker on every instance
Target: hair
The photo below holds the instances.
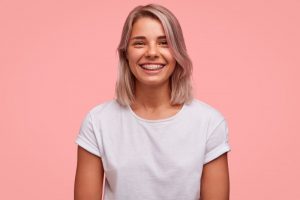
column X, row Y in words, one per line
column 180, row 79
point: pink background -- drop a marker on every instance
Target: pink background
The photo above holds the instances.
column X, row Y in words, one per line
column 58, row 59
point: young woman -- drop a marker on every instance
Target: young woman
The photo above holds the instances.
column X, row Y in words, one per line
column 154, row 141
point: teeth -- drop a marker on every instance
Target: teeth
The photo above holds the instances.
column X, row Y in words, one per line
column 152, row 67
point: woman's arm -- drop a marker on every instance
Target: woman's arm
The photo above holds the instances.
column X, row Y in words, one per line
column 215, row 179
column 89, row 176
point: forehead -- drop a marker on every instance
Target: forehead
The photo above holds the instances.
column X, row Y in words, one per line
column 147, row 27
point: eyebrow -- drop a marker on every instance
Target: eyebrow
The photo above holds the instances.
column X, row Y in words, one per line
column 143, row 37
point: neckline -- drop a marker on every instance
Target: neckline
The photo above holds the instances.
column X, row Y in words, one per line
column 157, row 120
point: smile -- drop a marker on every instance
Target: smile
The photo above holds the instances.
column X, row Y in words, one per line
column 152, row 66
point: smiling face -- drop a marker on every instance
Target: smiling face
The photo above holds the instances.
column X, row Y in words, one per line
column 148, row 53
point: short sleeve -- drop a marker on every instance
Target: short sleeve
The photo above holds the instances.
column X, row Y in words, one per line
column 87, row 138
column 217, row 142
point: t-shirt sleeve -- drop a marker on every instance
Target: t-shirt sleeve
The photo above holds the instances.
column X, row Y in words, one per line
column 87, row 138
column 217, row 142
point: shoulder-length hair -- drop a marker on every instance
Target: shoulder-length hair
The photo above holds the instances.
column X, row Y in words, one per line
column 180, row 79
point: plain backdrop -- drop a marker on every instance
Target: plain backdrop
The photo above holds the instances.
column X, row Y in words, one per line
column 58, row 60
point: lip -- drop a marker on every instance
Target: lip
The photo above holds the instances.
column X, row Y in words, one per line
column 148, row 63
column 152, row 72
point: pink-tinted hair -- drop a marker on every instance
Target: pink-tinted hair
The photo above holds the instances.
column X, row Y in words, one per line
column 180, row 80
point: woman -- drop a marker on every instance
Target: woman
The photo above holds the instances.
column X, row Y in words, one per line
column 154, row 141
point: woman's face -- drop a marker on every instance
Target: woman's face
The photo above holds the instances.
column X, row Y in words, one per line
column 148, row 53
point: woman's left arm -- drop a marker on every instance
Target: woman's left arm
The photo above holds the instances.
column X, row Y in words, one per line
column 215, row 179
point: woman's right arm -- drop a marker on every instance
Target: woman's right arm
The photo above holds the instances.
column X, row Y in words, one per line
column 89, row 176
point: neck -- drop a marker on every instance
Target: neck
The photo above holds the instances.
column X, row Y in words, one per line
column 152, row 97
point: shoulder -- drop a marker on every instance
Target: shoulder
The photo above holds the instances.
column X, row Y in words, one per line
column 204, row 108
column 205, row 111
column 106, row 108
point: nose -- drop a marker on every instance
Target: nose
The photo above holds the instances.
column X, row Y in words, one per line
column 152, row 51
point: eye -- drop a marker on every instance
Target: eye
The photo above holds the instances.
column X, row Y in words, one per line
column 163, row 43
column 139, row 43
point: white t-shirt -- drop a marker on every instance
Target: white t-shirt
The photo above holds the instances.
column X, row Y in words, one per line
column 153, row 159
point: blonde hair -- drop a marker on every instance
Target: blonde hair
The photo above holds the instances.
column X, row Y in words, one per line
column 180, row 80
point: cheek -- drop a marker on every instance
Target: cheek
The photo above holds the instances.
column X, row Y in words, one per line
column 134, row 56
column 167, row 54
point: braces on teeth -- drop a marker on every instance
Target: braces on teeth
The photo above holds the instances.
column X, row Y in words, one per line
column 152, row 67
